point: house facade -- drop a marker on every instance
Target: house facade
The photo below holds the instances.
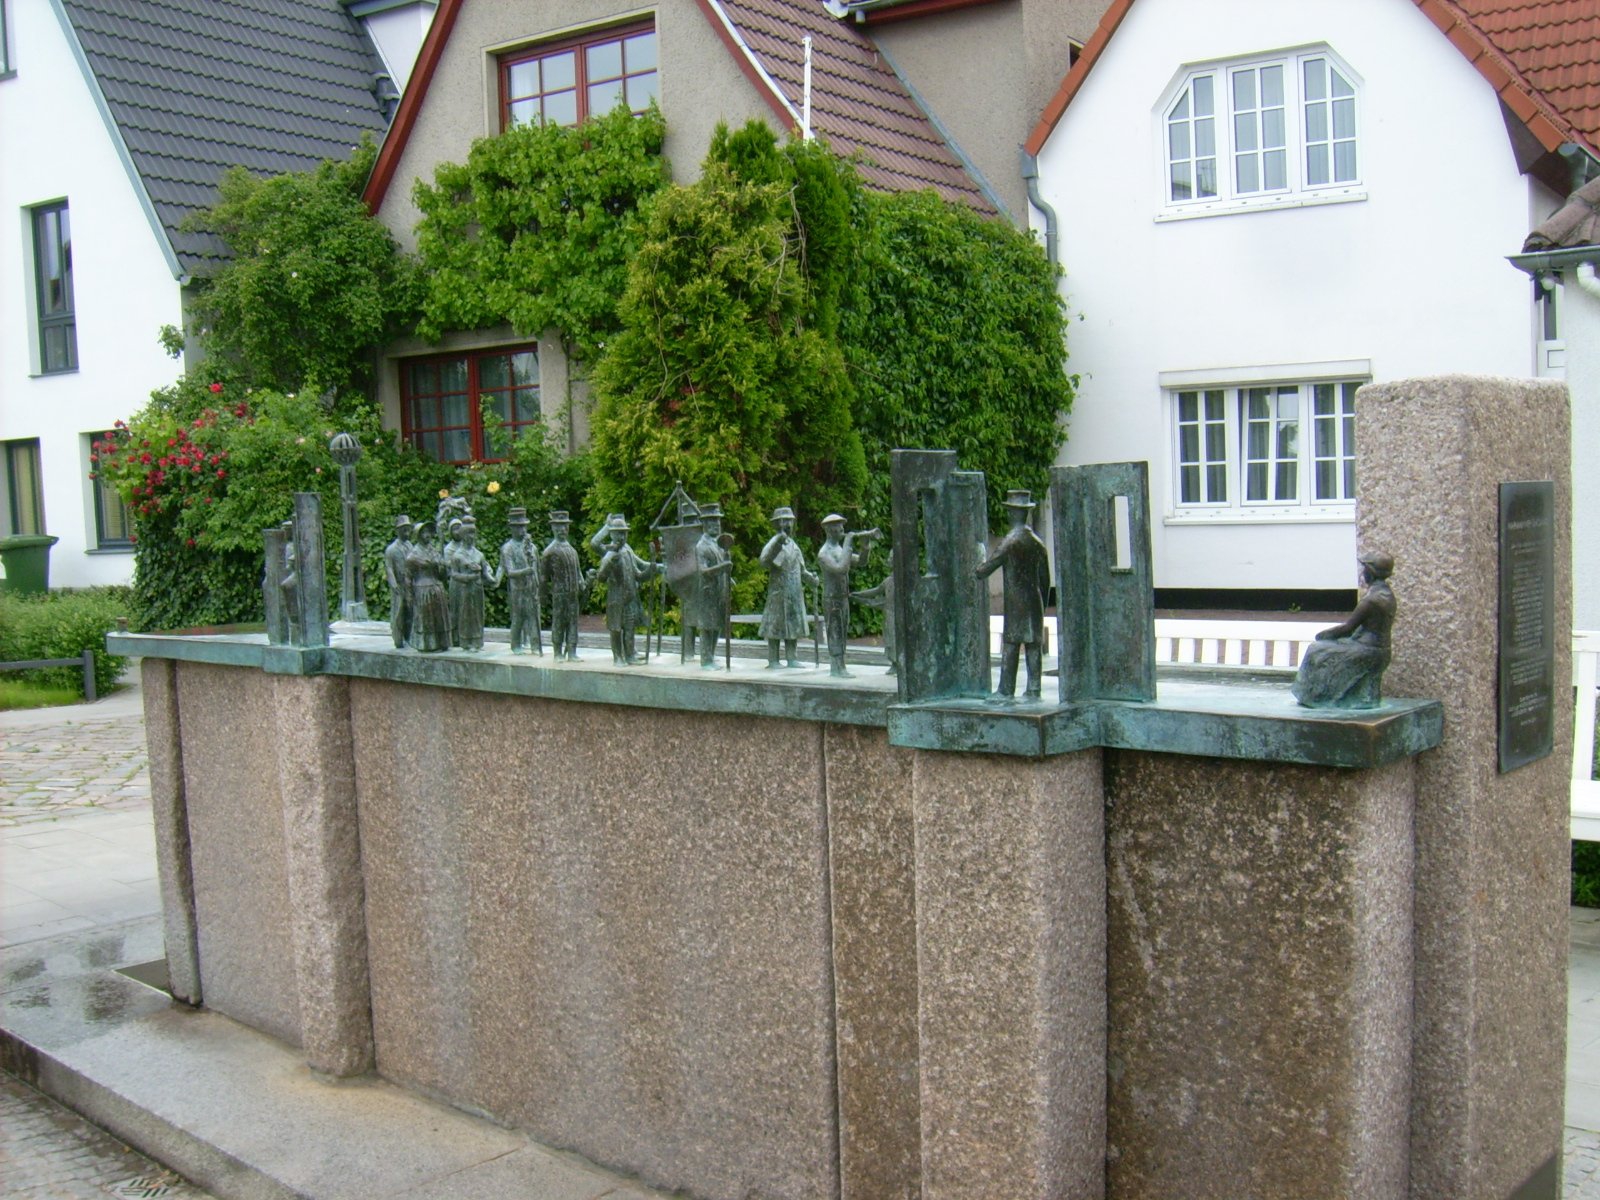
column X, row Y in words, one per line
column 493, row 63
column 118, row 122
column 1263, row 207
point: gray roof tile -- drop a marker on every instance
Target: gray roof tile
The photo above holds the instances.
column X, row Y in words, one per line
column 196, row 86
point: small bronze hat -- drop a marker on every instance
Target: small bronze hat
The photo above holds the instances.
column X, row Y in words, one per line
column 617, row 523
column 711, row 510
column 783, row 512
column 559, row 517
column 402, row 522
column 517, row 516
column 833, row 519
column 1019, row 498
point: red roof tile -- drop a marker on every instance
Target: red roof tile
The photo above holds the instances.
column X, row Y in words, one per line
column 1541, row 56
column 857, row 102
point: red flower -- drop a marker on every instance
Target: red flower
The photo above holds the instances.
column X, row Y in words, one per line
column 145, row 457
column 220, row 472
column 215, row 387
column 94, row 457
column 190, row 543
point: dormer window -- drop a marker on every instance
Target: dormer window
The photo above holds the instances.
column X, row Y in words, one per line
column 1261, row 132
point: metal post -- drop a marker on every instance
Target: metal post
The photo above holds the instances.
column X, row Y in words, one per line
column 346, row 451
column 89, row 694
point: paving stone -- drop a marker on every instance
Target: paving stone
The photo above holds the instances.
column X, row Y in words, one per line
column 49, row 1153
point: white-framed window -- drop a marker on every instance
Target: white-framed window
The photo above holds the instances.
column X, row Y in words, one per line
column 1263, row 450
column 1267, row 131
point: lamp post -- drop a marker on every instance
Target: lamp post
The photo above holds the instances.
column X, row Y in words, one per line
column 346, row 451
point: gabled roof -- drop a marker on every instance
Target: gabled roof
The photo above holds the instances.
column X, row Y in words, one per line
column 190, row 88
column 1541, row 56
column 858, row 103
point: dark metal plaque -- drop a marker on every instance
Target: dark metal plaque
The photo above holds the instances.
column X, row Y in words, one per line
column 1527, row 622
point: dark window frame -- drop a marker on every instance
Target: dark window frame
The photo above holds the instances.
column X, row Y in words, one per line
column 578, row 43
column 36, row 469
column 7, row 67
column 414, row 432
column 104, row 495
column 54, row 315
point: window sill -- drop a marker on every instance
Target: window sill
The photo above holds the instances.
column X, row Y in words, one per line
column 1331, row 515
column 1228, row 208
column 53, row 374
column 127, row 548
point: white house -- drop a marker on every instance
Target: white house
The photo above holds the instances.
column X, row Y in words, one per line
column 1262, row 206
column 117, row 122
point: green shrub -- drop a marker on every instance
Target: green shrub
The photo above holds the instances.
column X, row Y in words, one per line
column 61, row 625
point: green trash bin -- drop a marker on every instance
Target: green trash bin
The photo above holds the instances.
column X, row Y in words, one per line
column 26, row 558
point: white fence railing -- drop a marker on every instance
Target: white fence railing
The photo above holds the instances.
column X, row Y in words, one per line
column 1585, row 789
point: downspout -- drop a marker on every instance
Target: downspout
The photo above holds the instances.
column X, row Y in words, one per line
column 1588, row 280
column 1030, row 176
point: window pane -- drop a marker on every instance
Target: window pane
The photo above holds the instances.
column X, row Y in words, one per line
column 424, row 413
column 524, row 112
column 1344, row 118
column 1247, row 181
column 522, row 79
column 1255, row 481
column 58, row 348
column 1178, row 139
column 1188, row 406
column 493, row 372
column 1244, row 133
column 1271, row 87
column 499, row 404
column 1180, row 110
column 1203, row 105
column 1350, row 477
column 527, row 405
column 1316, row 79
column 1206, row 171
column 603, row 97
column 1182, row 189
column 562, row 108
column 1189, row 443
column 640, row 52
column 1216, row 442
column 1317, row 164
column 1244, row 89
column 1344, row 161
column 1316, row 122
column 1217, row 484
column 1327, row 480
column 1214, row 406
column 560, row 71
column 603, row 61
column 642, row 90
column 1272, row 127
column 1205, row 138
column 453, row 375
column 525, row 368
column 1189, row 485
column 456, row 445
column 1275, row 169
column 423, row 378
column 1341, row 85
column 1288, row 487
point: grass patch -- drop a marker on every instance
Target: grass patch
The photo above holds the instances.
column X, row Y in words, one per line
column 19, row 693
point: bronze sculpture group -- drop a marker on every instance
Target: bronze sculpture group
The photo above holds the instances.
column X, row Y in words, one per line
column 438, row 576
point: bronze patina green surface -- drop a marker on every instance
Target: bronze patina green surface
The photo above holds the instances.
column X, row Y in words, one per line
column 1214, row 716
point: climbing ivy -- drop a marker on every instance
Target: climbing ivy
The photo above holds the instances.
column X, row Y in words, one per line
column 955, row 336
column 536, row 228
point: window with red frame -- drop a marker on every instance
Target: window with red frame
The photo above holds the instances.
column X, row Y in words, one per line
column 445, row 401
column 567, row 82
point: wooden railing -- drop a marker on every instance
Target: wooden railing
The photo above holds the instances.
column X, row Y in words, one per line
column 84, row 661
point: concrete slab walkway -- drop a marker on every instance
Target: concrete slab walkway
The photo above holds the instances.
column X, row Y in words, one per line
column 239, row 1113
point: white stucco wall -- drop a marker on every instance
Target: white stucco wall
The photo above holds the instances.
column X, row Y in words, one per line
column 57, row 147
column 1580, row 328
column 1412, row 278
column 397, row 33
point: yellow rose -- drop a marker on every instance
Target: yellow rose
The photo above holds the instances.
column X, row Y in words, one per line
column 494, row 486
column 444, row 493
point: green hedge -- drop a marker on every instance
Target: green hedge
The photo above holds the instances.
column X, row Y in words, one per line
column 61, row 625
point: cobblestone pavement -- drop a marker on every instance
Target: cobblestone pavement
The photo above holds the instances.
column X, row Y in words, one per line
column 48, row 771
column 1583, row 1165
column 49, row 1153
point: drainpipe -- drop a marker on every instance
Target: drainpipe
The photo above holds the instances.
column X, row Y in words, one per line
column 1030, row 175
column 1588, row 280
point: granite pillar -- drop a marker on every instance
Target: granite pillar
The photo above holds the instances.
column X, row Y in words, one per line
column 316, row 778
column 1011, row 954
column 243, row 912
column 1492, row 848
column 164, row 737
column 872, row 888
column 1259, row 979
